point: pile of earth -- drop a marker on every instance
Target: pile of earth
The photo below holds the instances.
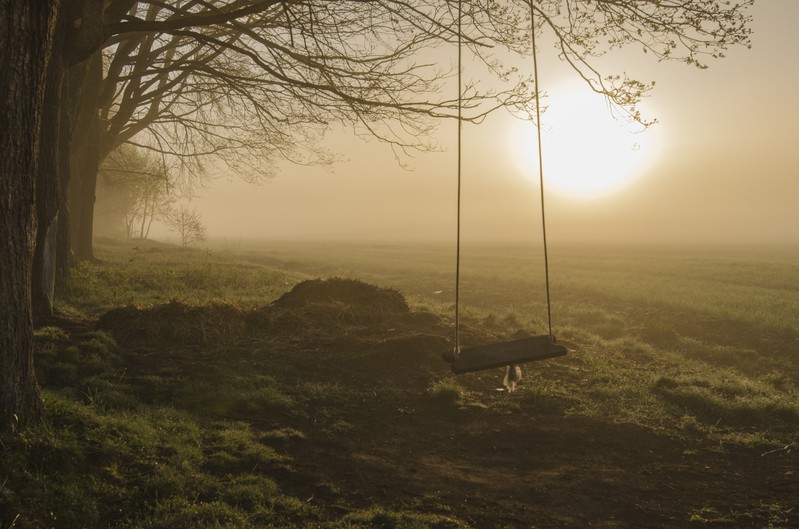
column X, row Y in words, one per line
column 175, row 323
column 332, row 306
column 360, row 295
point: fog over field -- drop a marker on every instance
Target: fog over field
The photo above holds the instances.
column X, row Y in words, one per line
column 720, row 167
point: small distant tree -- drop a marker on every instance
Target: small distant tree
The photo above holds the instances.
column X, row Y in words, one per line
column 187, row 223
column 134, row 187
column 151, row 201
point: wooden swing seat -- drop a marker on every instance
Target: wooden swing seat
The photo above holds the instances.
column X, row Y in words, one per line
column 517, row 351
column 503, row 354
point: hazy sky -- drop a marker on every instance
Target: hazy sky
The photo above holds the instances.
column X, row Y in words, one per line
column 720, row 166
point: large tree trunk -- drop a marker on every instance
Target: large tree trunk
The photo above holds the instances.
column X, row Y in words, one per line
column 44, row 270
column 71, row 99
column 85, row 163
column 48, row 199
column 26, row 37
column 65, row 80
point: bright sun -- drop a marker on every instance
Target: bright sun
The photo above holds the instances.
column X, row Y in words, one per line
column 587, row 152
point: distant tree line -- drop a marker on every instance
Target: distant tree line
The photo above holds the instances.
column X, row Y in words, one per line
column 248, row 82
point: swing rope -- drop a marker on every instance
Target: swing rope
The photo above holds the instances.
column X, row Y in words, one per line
column 459, row 176
column 458, row 229
column 541, row 171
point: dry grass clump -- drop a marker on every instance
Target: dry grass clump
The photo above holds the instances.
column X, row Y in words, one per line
column 175, row 323
column 448, row 390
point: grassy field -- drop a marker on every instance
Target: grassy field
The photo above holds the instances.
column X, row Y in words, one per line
column 717, row 327
column 177, row 397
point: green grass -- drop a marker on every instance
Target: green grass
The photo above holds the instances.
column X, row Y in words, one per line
column 387, row 519
column 61, row 363
column 684, row 341
column 639, row 314
column 448, row 390
column 149, row 465
column 147, row 273
column 754, row 287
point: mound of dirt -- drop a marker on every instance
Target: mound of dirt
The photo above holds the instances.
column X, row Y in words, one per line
column 331, row 306
column 357, row 294
column 175, row 323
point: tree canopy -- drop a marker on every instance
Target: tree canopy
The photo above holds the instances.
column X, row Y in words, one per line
column 238, row 78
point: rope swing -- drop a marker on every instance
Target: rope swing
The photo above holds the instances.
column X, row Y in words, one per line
column 517, row 351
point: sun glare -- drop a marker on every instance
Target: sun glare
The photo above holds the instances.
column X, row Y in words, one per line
column 588, row 153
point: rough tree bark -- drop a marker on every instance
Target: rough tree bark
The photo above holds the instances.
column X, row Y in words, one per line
column 26, row 37
column 82, row 47
column 48, row 199
column 72, row 88
column 85, row 162
column 78, row 32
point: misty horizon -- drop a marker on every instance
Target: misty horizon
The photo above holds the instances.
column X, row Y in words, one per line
column 718, row 167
